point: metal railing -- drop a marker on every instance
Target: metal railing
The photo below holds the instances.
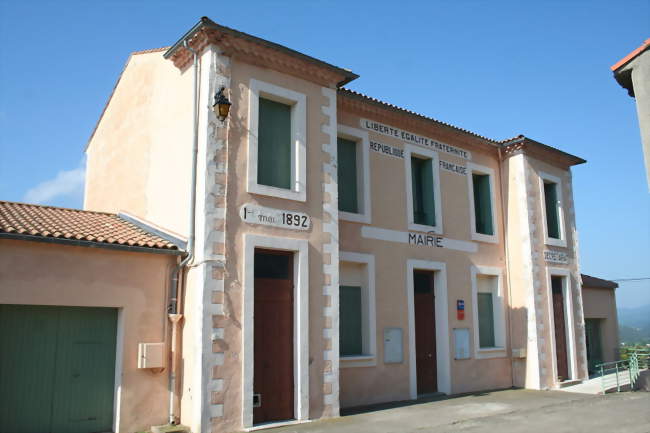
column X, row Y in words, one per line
column 624, row 371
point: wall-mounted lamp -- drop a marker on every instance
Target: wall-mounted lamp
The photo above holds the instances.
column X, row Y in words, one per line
column 221, row 106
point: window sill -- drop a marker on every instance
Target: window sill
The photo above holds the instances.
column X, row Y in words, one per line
column 491, row 352
column 354, row 217
column 357, row 361
column 492, row 239
column 555, row 242
column 273, row 191
column 424, row 228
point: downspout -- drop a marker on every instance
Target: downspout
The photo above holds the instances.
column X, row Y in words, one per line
column 173, row 313
column 505, row 242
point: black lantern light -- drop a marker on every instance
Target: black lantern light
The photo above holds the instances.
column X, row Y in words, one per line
column 221, row 106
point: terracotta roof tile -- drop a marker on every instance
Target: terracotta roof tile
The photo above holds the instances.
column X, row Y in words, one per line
column 151, row 50
column 55, row 222
column 627, row 59
column 353, row 93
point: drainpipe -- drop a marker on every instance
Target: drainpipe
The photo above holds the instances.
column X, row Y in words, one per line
column 505, row 243
column 173, row 315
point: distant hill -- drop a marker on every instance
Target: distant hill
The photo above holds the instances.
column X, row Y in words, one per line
column 634, row 324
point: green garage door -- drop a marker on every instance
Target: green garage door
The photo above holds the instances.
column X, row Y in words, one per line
column 57, row 369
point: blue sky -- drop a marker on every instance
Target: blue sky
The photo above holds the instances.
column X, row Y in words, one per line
column 498, row 68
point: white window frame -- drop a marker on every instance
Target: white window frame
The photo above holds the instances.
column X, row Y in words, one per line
column 298, row 103
column 300, row 247
column 568, row 321
column 362, row 140
column 481, row 169
column 552, row 241
column 369, row 319
column 442, row 324
column 410, row 150
column 499, row 313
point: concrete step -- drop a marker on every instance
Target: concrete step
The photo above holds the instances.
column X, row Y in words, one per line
column 569, row 383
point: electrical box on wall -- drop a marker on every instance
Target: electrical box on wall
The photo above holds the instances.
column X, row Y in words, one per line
column 461, row 343
column 151, row 355
column 393, row 346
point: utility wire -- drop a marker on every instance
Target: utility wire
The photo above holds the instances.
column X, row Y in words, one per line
column 632, row 279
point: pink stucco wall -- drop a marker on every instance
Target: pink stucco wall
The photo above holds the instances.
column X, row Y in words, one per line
column 36, row 273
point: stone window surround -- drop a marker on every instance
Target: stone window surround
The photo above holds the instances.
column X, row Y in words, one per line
column 298, row 103
column 499, row 305
column 370, row 327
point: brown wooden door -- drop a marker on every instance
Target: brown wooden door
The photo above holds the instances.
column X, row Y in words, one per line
column 560, row 329
column 425, row 332
column 273, row 344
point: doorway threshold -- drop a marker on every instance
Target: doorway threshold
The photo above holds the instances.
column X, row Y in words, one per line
column 430, row 395
column 274, row 424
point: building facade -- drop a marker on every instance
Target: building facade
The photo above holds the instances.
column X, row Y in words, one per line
column 601, row 321
column 347, row 251
column 632, row 72
column 83, row 303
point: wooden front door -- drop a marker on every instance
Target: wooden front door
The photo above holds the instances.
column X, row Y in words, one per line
column 425, row 332
column 273, row 339
column 560, row 329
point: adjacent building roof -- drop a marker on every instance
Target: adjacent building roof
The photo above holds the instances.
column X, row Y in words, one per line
column 589, row 282
column 624, row 75
column 78, row 227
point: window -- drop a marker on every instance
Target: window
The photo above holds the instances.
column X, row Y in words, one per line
column 551, row 206
column 357, row 328
column 347, row 175
column 485, row 318
column 482, row 204
column 553, row 217
column 422, row 184
column 351, row 330
column 423, row 191
column 482, row 199
column 276, row 142
column 353, row 175
column 488, row 312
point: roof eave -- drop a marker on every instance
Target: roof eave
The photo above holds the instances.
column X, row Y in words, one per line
column 571, row 159
column 90, row 244
column 208, row 23
column 387, row 106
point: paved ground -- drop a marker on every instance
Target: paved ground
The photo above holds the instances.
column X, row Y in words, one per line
column 510, row 411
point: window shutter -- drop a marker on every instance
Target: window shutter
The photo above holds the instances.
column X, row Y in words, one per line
column 422, row 188
column 347, row 175
column 274, row 144
column 552, row 214
column 482, row 204
column 485, row 320
column 350, row 331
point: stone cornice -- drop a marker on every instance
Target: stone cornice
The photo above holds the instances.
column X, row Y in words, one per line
column 256, row 51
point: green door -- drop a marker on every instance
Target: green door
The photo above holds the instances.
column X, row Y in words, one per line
column 594, row 344
column 57, row 369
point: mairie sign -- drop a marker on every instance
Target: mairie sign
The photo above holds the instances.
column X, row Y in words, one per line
column 429, row 240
